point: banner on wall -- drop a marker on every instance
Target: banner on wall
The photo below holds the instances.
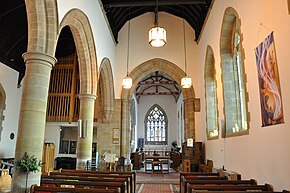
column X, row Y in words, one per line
column 269, row 84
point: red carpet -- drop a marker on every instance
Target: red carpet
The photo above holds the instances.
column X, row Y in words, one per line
column 146, row 182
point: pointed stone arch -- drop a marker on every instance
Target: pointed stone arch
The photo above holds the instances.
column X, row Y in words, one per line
column 137, row 74
column 82, row 33
column 210, row 95
column 106, row 90
column 2, row 107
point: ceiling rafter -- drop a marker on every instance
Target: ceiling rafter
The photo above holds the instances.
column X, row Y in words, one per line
column 193, row 11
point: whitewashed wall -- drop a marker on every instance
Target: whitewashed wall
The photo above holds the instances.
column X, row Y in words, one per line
column 264, row 153
column 8, row 80
column 141, row 51
column 168, row 104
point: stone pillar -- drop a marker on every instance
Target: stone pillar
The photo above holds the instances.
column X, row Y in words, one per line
column 125, row 128
column 189, row 119
column 84, row 147
column 31, row 128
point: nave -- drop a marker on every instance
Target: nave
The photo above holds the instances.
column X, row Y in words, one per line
column 80, row 181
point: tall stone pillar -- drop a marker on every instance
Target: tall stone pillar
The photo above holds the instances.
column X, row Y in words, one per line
column 30, row 137
column 125, row 130
column 84, row 147
column 189, row 119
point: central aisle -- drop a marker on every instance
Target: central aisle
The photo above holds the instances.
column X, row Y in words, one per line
column 147, row 183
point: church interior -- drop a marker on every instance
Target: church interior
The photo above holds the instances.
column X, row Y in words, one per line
column 144, row 96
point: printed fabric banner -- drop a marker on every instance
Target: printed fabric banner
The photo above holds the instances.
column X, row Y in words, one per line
column 269, row 85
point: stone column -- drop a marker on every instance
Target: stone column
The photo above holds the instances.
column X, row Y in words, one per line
column 125, row 128
column 189, row 119
column 30, row 137
column 84, row 147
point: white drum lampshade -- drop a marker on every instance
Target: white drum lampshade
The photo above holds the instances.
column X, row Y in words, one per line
column 127, row 82
column 186, row 82
column 157, row 36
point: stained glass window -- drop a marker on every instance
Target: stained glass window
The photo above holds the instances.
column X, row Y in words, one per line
column 156, row 126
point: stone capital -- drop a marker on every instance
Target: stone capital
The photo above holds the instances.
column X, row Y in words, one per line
column 187, row 100
column 87, row 96
column 41, row 58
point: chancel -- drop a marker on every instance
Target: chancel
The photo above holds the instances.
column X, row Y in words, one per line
column 207, row 104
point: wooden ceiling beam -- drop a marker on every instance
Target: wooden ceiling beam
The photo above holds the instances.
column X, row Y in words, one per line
column 157, row 93
column 157, row 83
column 152, row 3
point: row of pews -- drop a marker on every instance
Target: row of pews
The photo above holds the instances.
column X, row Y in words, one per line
column 66, row 180
column 212, row 182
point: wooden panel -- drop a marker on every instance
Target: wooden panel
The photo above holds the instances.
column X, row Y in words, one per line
column 63, row 91
column 48, row 158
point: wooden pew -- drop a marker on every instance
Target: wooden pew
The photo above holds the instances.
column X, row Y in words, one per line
column 42, row 189
column 182, row 174
column 197, row 176
column 193, row 188
column 85, row 184
column 222, row 182
column 88, row 179
column 132, row 176
column 202, row 191
column 129, row 176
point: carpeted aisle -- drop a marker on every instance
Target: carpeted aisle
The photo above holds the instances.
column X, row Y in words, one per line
column 157, row 188
column 147, row 183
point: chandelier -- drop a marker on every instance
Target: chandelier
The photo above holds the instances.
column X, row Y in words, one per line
column 157, row 34
column 127, row 81
column 185, row 81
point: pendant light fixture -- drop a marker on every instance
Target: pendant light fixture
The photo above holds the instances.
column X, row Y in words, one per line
column 157, row 35
column 185, row 81
column 127, row 81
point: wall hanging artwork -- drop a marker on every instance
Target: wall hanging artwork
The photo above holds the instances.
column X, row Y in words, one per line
column 269, row 85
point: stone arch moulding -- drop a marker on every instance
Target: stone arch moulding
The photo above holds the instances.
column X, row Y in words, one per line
column 82, row 33
column 43, row 26
column 2, row 107
column 137, row 74
column 81, row 30
column 106, row 85
column 229, row 20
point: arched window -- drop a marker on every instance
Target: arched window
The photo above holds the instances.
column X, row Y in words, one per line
column 156, row 126
column 210, row 95
column 235, row 100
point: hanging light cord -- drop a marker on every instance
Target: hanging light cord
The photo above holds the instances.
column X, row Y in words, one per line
column 184, row 44
column 156, row 14
column 128, row 46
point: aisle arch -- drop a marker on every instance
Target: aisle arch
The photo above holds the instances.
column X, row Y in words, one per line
column 191, row 105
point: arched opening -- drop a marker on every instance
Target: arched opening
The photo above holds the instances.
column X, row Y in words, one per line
column 106, row 95
column 137, row 75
